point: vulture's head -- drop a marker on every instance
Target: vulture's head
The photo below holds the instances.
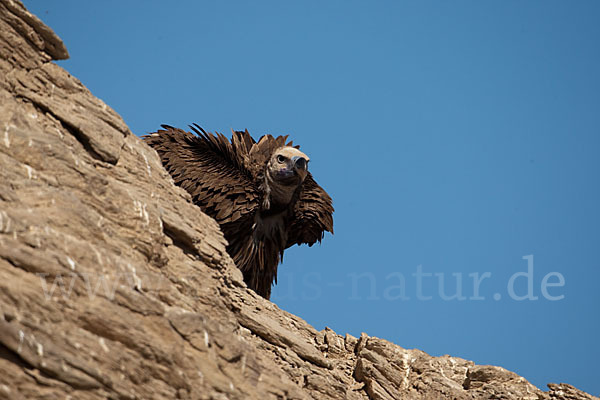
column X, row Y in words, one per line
column 286, row 170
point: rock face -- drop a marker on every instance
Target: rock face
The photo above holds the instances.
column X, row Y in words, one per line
column 113, row 285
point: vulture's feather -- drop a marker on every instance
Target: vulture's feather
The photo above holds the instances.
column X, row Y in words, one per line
column 260, row 193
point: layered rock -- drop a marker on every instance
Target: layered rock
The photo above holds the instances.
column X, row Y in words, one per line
column 114, row 285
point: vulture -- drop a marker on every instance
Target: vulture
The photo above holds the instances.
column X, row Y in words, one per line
column 259, row 192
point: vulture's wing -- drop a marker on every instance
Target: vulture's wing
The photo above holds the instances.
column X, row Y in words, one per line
column 213, row 171
column 312, row 215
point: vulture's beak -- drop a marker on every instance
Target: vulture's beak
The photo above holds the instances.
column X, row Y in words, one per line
column 300, row 163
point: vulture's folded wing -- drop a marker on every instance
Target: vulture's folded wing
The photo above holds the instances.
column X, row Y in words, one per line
column 313, row 215
column 212, row 171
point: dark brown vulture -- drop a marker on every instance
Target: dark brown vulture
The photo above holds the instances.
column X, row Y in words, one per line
column 260, row 193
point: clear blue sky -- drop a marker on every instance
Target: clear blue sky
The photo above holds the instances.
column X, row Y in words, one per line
column 456, row 136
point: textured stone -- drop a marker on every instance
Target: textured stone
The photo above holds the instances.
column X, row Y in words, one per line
column 113, row 285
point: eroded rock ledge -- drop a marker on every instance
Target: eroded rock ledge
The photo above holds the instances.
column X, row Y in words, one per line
column 113, row 285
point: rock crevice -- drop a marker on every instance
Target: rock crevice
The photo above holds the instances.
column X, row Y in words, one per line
column 114, row 285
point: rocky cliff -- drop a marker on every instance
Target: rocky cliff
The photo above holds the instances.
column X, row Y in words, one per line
column 113, row 285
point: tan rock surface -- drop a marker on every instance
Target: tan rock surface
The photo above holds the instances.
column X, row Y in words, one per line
column 113, row 285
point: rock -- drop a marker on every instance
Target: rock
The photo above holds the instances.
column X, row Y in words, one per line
column 564, row 391
column 113, row 285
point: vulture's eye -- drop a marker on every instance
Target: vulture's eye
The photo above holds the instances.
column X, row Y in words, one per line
column 280, row 158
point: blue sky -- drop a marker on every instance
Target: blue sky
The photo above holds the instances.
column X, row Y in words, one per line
column 455, row 136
